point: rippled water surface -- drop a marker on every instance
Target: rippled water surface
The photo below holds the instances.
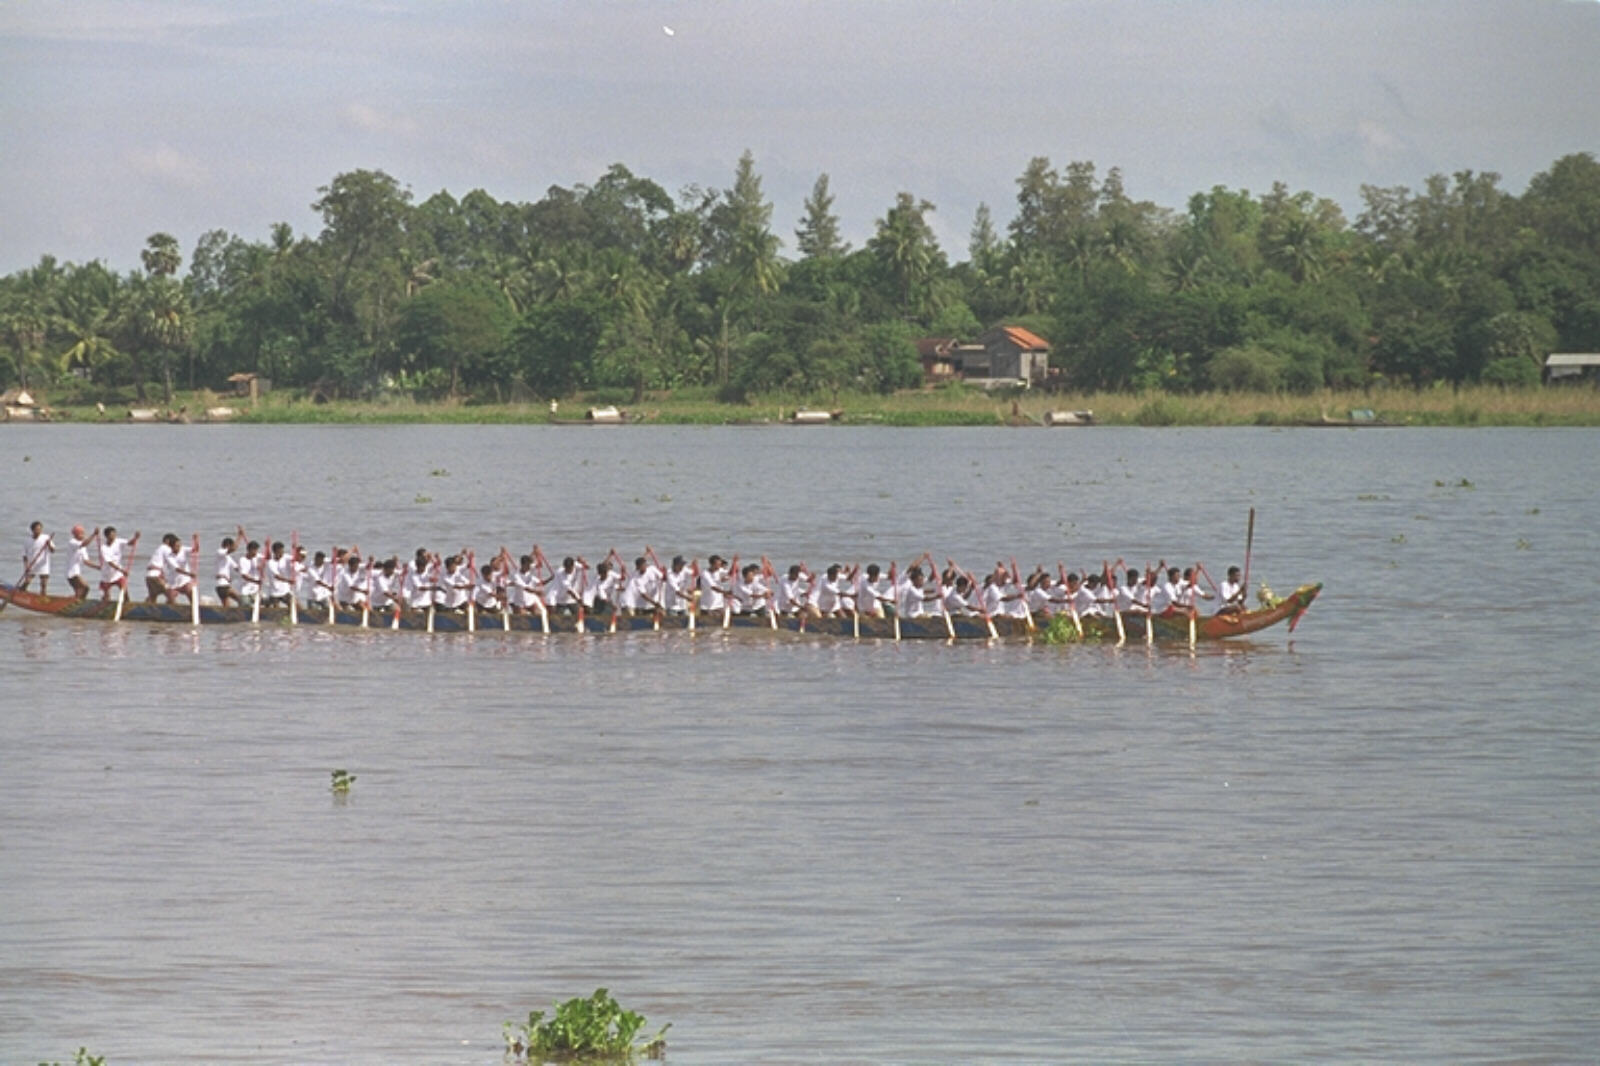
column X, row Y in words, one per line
column 1376, row 840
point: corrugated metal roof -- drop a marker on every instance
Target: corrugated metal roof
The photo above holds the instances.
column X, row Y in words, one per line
column 1573, row 359
column 1025, row 339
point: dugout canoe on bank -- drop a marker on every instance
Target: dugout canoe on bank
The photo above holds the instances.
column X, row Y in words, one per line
column 933, row 627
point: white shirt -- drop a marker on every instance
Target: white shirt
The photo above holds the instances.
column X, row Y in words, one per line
column 279, row 572
column 792, row 593
column 248, row 575
column 350, row 587
column 825, row 597
column 1233, row 592
column 322, row 582
column 910, row 603
column 227, row 568
column 36, row 557
column 180, row 569
column 563, row 588
column 748, row 598
column 160, row 561
column 676, row 590
column 112, row 557
column 713, row 586
column 80, row 557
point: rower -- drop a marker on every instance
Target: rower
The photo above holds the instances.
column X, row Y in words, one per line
column 1165, row 596
column 36, row 558
column 81, row 542
column 487, row 592
column 792, row 592
column 911, row 600
column 1190, row 591
column 1079, row 599
column 249, row 572
column 874, row 596
column 565, row 589
column 227, row 572
column 714, row 585
column 421, row 586
column 182, row 571
column 1133, row 595
column 958, row 597
column 825, row 596
column 277, row 579
column 155, row 571
column 1233, row 593
column 678, row 587
column 600, row 590
column 749, row 591
column 1039, row 595
column 350, row 585
column 114, row 552
column 523, row 585
column 385, row 585
column 322, row 574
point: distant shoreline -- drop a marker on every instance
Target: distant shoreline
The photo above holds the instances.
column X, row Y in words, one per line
column 1478, row 405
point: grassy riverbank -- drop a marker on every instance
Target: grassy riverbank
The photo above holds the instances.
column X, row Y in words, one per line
column 1468, row 406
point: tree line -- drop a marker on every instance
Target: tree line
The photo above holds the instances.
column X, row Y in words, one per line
column 620, row 285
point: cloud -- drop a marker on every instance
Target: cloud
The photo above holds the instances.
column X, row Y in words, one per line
column 369, row 119
column 166, row 164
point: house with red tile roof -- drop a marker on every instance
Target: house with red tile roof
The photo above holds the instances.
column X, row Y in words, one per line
column 1016, row 353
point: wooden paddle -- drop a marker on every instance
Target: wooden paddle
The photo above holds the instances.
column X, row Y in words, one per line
column 194, row 581
column 1249, row 542
column 122, row 587
column 294, row 577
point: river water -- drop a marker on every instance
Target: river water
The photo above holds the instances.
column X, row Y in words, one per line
column 1378, row 839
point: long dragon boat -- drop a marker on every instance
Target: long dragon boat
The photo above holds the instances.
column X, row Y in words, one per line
column 1134, row 627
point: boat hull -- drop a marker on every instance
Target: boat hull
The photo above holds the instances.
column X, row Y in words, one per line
column 970, row 627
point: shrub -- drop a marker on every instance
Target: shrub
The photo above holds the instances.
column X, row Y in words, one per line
column 596, row 1029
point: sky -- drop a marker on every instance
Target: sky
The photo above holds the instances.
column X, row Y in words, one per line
column 121, row 118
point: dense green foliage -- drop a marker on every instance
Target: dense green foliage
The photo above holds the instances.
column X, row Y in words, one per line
column 619, row 285
column 593, row 1029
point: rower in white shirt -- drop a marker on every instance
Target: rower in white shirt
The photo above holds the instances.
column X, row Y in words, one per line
column 911, row 601
column 749, row 591
column 115, row 553
column 36, row 558
column 227, row 573
column 182, row 572
column 957, row 597
column 81, row 543
column 1233, row 593
column 825, row 599
column 602, row 590
column 714, row 585
column 157, row 569
column 1040, row 598
column 487, row 592
column 564, row 590
column 873, row 593
column 385, row 585
column 1164, row 593
column 277, row 578
column 248, row 574
column 1133, row 596
column 321, row 576
column 350, row 584
column 677, row 587
column 792, row 591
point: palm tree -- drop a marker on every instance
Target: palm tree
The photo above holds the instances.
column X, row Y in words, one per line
column 86, row 315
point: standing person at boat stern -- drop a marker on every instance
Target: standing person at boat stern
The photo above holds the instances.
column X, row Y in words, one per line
column 36, row 558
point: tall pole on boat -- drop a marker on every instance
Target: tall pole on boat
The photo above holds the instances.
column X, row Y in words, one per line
column 1249, row 542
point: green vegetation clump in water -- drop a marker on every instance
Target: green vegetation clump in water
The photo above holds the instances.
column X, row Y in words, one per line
column 596, row 1029
column 81, row 1058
